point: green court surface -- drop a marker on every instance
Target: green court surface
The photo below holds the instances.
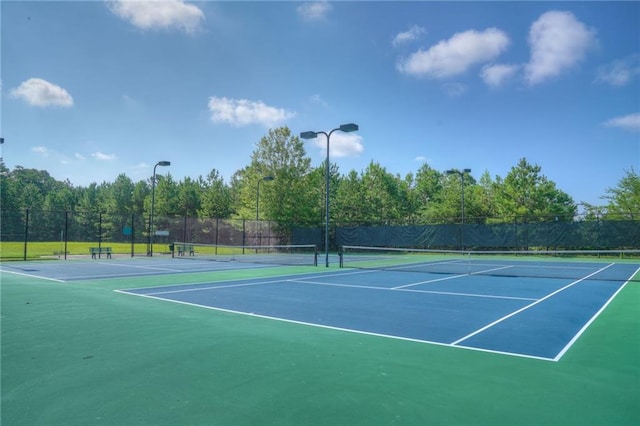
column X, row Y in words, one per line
column 78, row 353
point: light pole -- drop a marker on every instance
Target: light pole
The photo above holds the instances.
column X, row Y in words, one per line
column 153, row 201
column 461, row 174
column 349, row 127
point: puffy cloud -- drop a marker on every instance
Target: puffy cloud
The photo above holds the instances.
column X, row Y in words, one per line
column 629, row 122
column 163, row 14
column 341, row 145
column 457, row 54
column 39, row 92
column 242, row 112
column 314, row 11
column 497, row 75
column 103, row 157
column 411, row 34
column 621, row 72
column 558, row 41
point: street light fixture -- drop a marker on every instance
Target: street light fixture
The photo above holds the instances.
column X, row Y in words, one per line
column 461, row 174
column 153, row 201
column 349, row 127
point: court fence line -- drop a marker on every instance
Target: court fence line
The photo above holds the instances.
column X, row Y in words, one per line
column 129, row 234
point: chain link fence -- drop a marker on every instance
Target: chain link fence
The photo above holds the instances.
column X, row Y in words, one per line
column 68, row 232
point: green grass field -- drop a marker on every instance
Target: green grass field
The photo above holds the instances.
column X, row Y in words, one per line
column 55, row 249
column 78, row 353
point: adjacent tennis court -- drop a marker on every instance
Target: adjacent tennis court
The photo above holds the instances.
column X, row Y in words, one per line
column 390, row 337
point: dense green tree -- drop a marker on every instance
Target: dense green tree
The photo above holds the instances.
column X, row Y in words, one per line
column 350, row 201
column 527, row 194
column 624, row 199
column 216, row 199
column 281, row 156
column 189, row 196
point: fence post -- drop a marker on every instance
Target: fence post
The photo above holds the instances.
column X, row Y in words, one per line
column 184, row 230
column 26, row 234
column 66, row 232
column 99, row 234
column 133, row 234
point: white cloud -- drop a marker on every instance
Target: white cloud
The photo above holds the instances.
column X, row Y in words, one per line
column 79, row 156
column 629, row 122
column 41, row 150
column 411, row 34
column 457, row 54
column 497, row 75
column 621, row 72
column 314, row 11
column 341, row 145
column 39, row 92
column 421, row 159
column 162, row 14
column 242, row 112
column 558, row 42
column 103, row 157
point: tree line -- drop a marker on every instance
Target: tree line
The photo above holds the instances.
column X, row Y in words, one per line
column 291, row 191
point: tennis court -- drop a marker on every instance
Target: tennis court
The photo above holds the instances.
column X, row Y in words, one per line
column 254, row 343
column 527, row 316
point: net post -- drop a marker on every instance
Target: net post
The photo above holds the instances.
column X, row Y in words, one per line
column 341, row 257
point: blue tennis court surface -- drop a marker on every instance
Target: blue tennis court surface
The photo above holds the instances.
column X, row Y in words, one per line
column 530, row 317
column 117, row 268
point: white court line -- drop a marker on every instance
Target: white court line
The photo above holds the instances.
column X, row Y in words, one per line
column 428, row 281
column 451, row 277
column 32, row 276
column 593, row 318
column 445, row 293
column 281, row 278
column 155, row 268
column 529, row 306
column 215, row 287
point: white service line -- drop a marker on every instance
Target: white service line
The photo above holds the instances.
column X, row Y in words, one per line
column 593, row 318
column 445, row 293
column 529, row 306
column 32, row 276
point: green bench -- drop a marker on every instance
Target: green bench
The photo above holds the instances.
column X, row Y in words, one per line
column 100, row 250
column 186, row 248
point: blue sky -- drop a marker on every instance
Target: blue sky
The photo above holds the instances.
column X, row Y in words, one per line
column 91, row 90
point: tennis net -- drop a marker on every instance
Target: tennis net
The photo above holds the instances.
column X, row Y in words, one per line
column 606, row 265
column 298, row 254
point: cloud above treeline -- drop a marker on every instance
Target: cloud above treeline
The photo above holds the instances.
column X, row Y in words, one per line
column 557, row 41
column 629, row 122
column 159, row 14
column 243, row 112
column 41, row 93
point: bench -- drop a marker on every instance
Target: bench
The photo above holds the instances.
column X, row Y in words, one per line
column 186, row 248
column 100, row 250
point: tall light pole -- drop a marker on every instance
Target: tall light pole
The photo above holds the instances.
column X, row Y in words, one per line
column 349, row 127
column 461, row 174
column 153, row 202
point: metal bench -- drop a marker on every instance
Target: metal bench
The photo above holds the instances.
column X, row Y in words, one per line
column 186, row 248
column 100, row 250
